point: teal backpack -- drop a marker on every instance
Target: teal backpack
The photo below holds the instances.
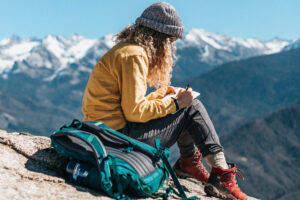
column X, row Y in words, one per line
column 108, row 161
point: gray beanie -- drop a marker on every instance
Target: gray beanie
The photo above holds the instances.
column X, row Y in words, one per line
column 162, row 17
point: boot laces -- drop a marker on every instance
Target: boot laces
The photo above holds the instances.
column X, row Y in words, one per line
column 198, row 163
column 232, row 177
column 239, row 173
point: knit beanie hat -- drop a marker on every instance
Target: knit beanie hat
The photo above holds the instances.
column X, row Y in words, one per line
column 162, row 17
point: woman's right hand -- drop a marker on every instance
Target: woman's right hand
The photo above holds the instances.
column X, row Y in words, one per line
column 184, row 98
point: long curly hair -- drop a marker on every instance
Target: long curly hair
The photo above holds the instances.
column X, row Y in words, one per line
column 160, row 50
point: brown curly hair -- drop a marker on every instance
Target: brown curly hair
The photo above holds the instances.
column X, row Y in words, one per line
column 160, row 50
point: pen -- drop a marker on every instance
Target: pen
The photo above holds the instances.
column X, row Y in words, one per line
column 187, row 87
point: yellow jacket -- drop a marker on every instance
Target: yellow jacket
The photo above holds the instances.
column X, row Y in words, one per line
column 117, row 86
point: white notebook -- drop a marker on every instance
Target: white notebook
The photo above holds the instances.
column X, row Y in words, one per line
column 195, row 94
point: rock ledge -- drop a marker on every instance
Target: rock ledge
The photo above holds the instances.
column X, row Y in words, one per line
column 31, row 169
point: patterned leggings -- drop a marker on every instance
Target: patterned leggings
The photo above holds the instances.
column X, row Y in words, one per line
column 189, row 127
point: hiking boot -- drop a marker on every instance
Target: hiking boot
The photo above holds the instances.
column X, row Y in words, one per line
column 191, row 167
column 222, row 183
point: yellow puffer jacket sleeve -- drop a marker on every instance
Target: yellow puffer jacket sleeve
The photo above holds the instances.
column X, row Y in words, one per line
column 159, row 94
column 136, row 107
column 155, row 95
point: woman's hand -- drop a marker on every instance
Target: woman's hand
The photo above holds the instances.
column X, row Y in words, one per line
column 184, row 98
column 170, row 90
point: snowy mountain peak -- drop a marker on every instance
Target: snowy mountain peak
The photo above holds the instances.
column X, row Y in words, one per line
column 14, row 49
column 4, row 41
column 293, row 45
column 275, row 45
column 202, row 38
column 199, row 37
column 108, row 40
column 68, row 49
column 10, row 40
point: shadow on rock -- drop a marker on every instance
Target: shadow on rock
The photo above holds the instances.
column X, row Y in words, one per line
column 48, row 162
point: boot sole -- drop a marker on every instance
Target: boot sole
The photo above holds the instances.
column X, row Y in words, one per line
column 213, row 191
column 183, row 174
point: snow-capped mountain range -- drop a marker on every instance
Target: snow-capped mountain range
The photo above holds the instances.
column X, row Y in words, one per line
column 200, row 37
column 216, row 49
column 53, row 54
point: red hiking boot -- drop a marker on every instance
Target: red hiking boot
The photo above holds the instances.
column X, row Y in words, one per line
column 222, row 183
column 191, row 167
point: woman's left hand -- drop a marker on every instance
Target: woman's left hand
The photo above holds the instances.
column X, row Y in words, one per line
column 170, row 90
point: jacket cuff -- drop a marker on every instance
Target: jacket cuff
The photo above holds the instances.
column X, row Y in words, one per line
column 176, row 103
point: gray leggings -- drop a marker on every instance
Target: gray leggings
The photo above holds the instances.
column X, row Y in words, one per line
column 188, row 127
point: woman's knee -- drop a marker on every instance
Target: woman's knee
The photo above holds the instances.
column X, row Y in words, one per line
column 196, row 102
column 194, row 107
column 197, row 105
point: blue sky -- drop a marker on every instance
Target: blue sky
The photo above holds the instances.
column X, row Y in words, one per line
column 262, row 19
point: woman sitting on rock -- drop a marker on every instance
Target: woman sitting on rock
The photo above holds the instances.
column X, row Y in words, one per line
column 116, row 95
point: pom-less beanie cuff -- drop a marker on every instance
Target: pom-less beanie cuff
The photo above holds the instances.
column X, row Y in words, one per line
column 162, row 17
column 172, row 30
